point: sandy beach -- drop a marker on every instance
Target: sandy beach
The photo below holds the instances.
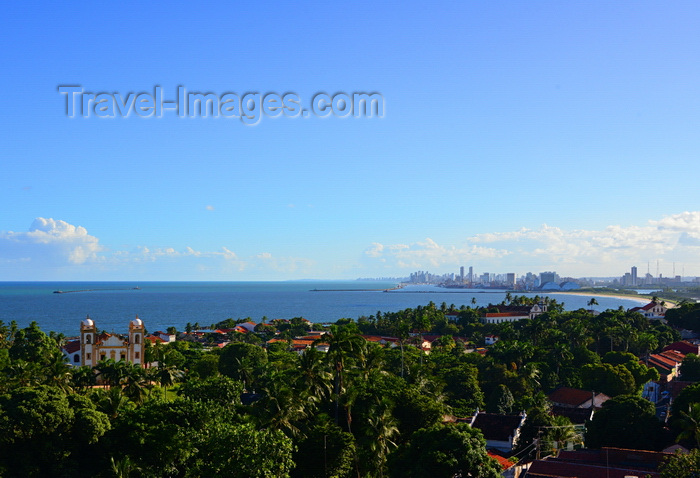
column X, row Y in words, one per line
column 641, row 300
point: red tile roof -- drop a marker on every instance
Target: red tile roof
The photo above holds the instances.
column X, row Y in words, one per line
column 683, row 347
column 72, row 347
column 507, row 314
column 573, row 397
column 504, row 462
column 497, row 427
column 604, row 463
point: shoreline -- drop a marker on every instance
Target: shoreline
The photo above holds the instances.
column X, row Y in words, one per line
column 639, row 298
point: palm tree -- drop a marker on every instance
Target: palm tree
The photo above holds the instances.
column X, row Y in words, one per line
column 562, row 431
column 167, row 375
column 58, row 372
column 135, row 385
column 112, row 402
column 83, row 377
column 111, row 372
column 382, row 426
column 312, row 374
column 281, row 406
column 690, row 422
column 561, row 354
column 592, row 302
column 343, row 345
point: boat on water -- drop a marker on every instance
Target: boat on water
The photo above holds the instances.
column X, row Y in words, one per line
column 58, row 292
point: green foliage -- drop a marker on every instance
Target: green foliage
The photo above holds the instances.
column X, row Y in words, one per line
column 690, row 368
column 44, row 431
column 240, row 451
column 689, row 395
column 626, row 421
column 414, row 410
column 682, row 465
column 685, row 316
column 444, row 450
column 239, row 361
column 501, row 401
column 222, row 390
column 32, row 345
column 327, row 451
column 462, row 389
column 641, row 373
column 207, row 366
column 612, row 380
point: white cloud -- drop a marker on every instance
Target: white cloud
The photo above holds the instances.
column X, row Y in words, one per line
column 428, row 253
column 606, row 251
column 53, row 242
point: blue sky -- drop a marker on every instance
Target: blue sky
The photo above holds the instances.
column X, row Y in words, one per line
column 516, row 137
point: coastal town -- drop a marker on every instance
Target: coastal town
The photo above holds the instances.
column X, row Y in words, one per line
column 551, row 393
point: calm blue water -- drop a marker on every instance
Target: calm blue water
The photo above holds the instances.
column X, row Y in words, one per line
column 164, row 304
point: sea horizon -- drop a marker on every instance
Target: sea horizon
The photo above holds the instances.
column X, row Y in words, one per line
column 162, row 304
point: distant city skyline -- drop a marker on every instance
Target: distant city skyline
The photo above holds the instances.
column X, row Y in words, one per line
column 512, row 137
column 54, row 250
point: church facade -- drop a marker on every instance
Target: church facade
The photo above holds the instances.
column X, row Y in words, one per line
column 94, row 347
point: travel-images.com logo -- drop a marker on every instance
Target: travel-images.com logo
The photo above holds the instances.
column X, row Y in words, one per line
column 249, row 108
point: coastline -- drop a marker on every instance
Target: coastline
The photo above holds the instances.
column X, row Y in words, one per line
column 639, row 298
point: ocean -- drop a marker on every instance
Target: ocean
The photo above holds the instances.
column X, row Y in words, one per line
column 163, row 304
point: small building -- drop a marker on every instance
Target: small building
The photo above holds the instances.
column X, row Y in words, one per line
column 500, row 431
column 653, row 310
column 567, row 397
column 604, row 463
column 491, row 339
column 512, row 313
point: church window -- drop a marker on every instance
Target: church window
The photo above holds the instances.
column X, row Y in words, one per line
column 87, row 356
column 136, row 338
column 76, row 358
column 122, row 356
column 137, row 355
column 88, row 339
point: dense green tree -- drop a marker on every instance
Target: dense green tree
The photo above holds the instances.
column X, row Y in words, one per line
column 612, row 380
column 415, row 410
column 626, row 421
column 207, row 366
column 690, row 368
column 43, row 431
column 240, row 361
column 240, row 451
column 326, row 452
column 641, row 373
column 501, row 400
column 444, row 450
column 685, row 316
column 682, row 465
column 32, row 345
column 222, row 390
column 688, row 396
column 689, row 422
column 462, row 389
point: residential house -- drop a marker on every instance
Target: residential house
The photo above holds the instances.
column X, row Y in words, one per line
column 512, row 313
column 652, row 310
column 604, row 463
column 500, row 431
column 567, row 397
column 491, row 339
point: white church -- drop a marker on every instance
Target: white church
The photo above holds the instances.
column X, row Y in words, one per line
column 93, row 347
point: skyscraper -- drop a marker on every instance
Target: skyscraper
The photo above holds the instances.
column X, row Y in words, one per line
column 634, row 275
